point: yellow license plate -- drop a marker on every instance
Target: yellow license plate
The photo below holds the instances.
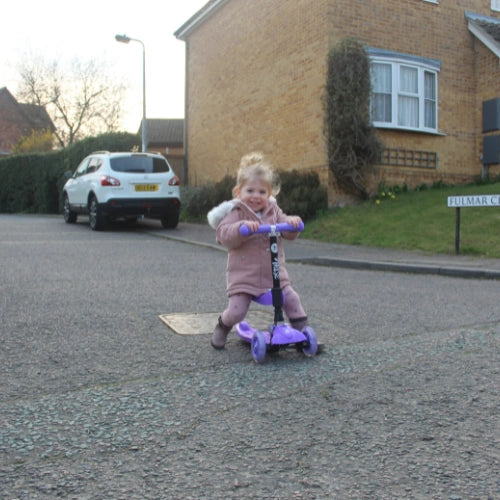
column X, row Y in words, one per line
column 146, row 187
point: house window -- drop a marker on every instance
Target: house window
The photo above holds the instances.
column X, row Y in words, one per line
column 404, row 91
column 495, row 5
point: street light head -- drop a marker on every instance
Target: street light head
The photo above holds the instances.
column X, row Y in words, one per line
column 122, row 38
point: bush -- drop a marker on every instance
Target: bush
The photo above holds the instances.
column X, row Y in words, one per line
column 352, row 144
column 302, row 194
column 30, row 183
column 33, row 182
column 198, row 201
column 38, row 141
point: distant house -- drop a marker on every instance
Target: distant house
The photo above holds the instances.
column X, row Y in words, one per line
column 166, row 136
column 256, row 74
column 18, row 120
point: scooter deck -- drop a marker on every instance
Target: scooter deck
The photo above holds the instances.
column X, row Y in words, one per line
column 282, row 334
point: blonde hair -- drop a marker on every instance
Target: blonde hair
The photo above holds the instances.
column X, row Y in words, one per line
column 255, row 166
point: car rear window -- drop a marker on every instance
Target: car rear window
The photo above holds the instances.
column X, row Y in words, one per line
column 139, row 164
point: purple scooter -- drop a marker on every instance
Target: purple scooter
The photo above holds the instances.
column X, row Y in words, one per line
column 280, row 335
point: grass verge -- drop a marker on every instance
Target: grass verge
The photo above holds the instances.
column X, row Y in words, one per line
column 416, row 220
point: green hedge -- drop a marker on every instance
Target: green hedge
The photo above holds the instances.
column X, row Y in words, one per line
column 302, row 194
column 32, row 183
column 198, row 201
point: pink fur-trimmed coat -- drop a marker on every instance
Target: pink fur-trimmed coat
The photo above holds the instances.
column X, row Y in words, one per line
column 249, row 259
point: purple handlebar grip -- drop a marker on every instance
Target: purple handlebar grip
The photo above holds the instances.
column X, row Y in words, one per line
column 266, row 228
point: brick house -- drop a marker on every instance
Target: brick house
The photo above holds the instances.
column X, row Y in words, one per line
column 166, row 136
column 256, row 72
column 18, row 120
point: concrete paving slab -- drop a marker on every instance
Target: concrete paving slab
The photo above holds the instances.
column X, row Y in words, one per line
column 204, row 323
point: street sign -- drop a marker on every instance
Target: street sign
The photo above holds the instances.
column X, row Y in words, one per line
column 476, row 200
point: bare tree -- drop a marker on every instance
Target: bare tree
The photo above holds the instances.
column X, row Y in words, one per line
column 82, row 100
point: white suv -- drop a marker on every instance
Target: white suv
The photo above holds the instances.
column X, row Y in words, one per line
column 107, row 186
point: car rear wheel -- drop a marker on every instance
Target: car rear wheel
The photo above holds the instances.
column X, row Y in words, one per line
column 96, row 217
column 69, row 215
column 170, row 219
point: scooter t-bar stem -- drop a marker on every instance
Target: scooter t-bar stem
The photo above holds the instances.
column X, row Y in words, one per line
column 268, row 228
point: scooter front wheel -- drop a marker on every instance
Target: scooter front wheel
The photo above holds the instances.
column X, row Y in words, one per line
column 311, row 346
column 259, row 346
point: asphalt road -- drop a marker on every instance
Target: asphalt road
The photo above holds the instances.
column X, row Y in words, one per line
column 100, row 400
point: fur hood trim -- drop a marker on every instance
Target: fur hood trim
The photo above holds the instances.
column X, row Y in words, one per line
column 217, row 213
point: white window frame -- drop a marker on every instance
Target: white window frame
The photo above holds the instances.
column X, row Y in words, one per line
column 495, row 5
column 399, row 96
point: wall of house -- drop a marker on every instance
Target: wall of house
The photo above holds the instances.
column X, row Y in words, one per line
column 256, row 75
column 257, row 70
column 437, row 31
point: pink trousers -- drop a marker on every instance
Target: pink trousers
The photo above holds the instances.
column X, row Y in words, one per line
column 239, row 303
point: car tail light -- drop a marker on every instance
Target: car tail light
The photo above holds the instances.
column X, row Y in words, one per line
column 174, row 181
column 106, row 180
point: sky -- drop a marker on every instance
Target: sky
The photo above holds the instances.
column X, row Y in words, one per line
column 64, row 31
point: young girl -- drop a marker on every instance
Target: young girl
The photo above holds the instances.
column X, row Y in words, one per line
column 249, row 262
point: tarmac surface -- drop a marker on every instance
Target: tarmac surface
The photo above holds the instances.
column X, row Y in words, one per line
column 101, row 400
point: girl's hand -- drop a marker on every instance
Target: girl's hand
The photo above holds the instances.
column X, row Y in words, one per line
column 294, row 220
column 253, row 225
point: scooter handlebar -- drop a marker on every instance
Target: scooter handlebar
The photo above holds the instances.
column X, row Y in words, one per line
column 267, row 228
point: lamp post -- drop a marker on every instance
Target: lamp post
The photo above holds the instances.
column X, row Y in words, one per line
column 127, row 39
